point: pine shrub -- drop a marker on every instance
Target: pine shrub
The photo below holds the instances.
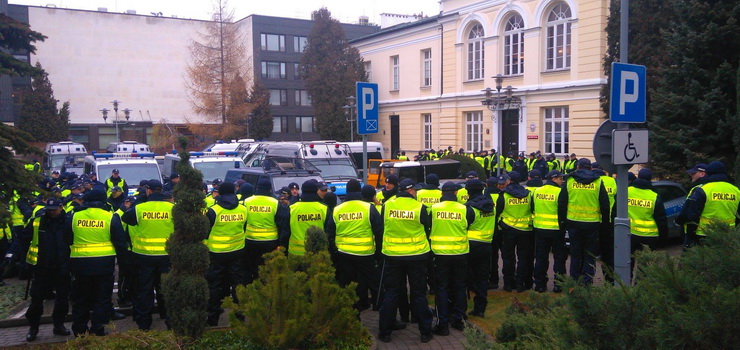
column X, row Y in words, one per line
column 468, row 164
column 185, row 287
column 316, row 240
column 297, row 303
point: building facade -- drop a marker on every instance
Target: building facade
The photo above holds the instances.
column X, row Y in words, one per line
column 432, row 75
column 96, row 57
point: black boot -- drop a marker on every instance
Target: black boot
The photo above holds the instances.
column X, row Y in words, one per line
column 32, row 333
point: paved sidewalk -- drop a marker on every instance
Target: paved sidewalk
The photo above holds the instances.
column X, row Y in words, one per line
column 410, row 338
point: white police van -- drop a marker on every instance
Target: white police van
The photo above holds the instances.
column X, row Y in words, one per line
column 128, row 146
column 132, row 167
column 330, row 157
column 213, row 165
column 64, row 156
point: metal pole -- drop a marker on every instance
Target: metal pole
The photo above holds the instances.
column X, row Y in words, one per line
column 118, row 138
column 498, row 132
column 364, row 159
column 622, row 222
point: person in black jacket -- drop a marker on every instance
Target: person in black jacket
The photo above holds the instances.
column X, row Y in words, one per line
column 256, row 247
column 535, row 179
column 540, row 164
column 116, row 198
column 479, row 257
column 644, row 182
column 48, row 258
column 518, row 237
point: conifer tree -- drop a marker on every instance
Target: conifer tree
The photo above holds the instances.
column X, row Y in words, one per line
column 185, row 287
column 39, row 114
column 261, row 123
column 16, row 37
column 330, row 66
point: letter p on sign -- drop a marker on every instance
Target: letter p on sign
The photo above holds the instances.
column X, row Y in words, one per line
column 627, row 98
column 368, row 101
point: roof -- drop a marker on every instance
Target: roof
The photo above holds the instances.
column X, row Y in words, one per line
column 402, row 26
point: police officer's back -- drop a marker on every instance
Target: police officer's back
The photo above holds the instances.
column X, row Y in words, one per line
column 715, row 200
column 309, row 211
column 267, row 220
column 648, row 222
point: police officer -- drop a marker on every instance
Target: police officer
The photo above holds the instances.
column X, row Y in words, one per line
column 355, row 231
column 520, row 164
column 535, row 179
column 153, row 226
column 480, row 234
column 493, row 190
column 549, row 236
column 115, row 199
column 125, row 265
column 225, row 243
column 571, row 165
column 211, row 199
column 95, row 237
column 294, row 192
column 406, row 249
column 540, row 164
column 389, row 191
column 48, row 259
column 430, row 194
column 403, row 156
column 648, row 222
column 170, row 185
column 698, row 175
column 309, row 211
column 606, row 231
column 514, row 207
column 462, row 194
column 583, row 205
column 115, row 179
column 266, row 219
column 449, row 243
column 716, row 200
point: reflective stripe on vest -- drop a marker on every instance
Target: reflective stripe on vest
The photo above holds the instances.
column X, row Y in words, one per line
column 583, row 201
column 91, row 229
column 15, row 212
column 32, row 257
column 403, row 232
column 154, row 227
column 610, row 184
column 482, row 229
column 449, row 229
column 227, row 234
column 303, row 215
column 261, row 211
column 518, row 212
column 640, row 208
column 722, row 202
column 546, row 208
column 354, row 234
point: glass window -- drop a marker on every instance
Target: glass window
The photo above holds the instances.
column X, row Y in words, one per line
column 556, row 130
column 514, row 46
column 273, row 70
column 558, row 37
column 395, row 73
column 427, row 130
column 475, row 53
column 273, row 42
column 474, row 131
column 278, row 97
column 426, row 56
column 299, row 43
column 368, row 70
column 297, row 71
column 279, row 124
column 304, row 124
column 302, row 98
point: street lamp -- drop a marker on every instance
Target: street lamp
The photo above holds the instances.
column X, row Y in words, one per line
column 350, row 115
column 126, row 112
column 500, row 104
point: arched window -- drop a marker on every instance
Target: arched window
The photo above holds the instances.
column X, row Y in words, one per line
column 514, row 46
column 558, row 37
column 475, row 53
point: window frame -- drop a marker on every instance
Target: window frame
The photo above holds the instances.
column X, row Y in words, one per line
column 474, row 131
column 264, row 42
column 283, row 96
column 297, row 47
column 476, row 53
column 513, row 45
column 299, row 100
column 558, row 26
column 395, row 73
column 426, row 68
column 426, row 120
column 556, row 129
column 266, row 72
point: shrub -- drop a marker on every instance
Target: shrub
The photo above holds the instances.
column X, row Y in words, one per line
column 316, row 240
column 297, row 303
column 468, row 164
column 161, row 340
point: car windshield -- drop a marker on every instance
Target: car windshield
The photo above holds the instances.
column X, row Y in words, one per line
column 279, row 182
column 132, row 173
column 335, row 168
column 213, row 170
column 57, row 161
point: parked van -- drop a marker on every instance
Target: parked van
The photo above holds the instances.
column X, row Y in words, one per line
column 374, row 151
column 132, row 167
column 64, row 156
column 212, row 164
column 128, row 146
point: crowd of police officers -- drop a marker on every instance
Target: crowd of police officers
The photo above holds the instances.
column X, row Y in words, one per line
column 397, row 244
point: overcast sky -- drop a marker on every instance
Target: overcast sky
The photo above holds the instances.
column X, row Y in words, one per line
column 344, row 10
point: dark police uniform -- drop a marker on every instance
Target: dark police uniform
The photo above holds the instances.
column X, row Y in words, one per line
column 714, row 200
column 266, row 218
column 549, row 236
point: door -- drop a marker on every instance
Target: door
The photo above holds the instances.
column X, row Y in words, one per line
column 510, row 132
column 395, row 140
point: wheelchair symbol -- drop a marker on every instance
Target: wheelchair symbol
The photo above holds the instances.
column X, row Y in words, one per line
column 629, row 148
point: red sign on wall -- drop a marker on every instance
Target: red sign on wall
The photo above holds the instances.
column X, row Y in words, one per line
column 533, row 137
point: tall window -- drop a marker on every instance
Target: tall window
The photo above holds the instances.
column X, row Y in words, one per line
column 297, row 71
column 302, row 98
column 299, row 43
column 514, row 46
column 475, row 53
column 279, row 124
column 369, row 70
column 474, row 131
column 558, row 37
column 556, row 130
column 278, row 97
column 395, row 73
column 273, row 42
column 427, row 130
column 426, row 56
column 304, row 124
column 273, row 70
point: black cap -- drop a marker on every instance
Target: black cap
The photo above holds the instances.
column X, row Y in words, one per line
column 645, row 174
column 406, row 184
column 515, row 176
column 502, row 179
column 553, row 174
column 53, row 203
column 432, row 179
column 56, row 189
column 535, row 174
column 450, row 186
column 143, row 183
column 698, row 167
column 293, row 185
column 283, row 190
column 474, row 185
column 226, row 188
column 631, row 176
column 471, row 174
column 584, row 163
column 323, row 186
column 174, row 176
column 115, row 171
column 154, row 185
column 392, row 179
column 368, row 192
column 55, row 172
column 264, row 185
column 595, row 165
column 130, row 199
column 95, row 195
column 353, row 186
column 116, row 189
column 78, row 196
column 716, row 167
column 93, row 173
column 216, row 182
column 310, row 186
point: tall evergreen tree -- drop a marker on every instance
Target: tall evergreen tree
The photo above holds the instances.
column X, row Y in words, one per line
column 16, row 37
column 695, row 105
column 39, row 114
column 330, row 66
column 261, row 123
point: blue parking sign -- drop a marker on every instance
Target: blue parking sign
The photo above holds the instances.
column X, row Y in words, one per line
column 367, row 108
column 627, row 102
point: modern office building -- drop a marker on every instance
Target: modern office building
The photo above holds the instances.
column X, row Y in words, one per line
column 96, row 57
column 433, row 73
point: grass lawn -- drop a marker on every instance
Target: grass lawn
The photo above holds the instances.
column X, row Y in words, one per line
column 11, row 296
column 495, row 314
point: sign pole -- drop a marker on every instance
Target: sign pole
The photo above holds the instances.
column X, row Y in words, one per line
column 622, row 222
column 364, row 159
